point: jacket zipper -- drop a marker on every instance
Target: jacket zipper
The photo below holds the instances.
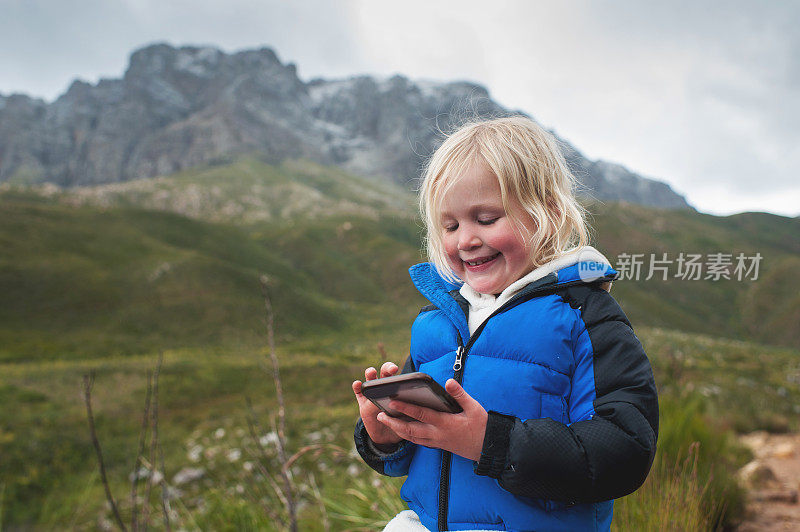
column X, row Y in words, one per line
column 447, row 456
column 458, row 375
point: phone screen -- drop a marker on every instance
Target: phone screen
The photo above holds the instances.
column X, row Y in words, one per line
column 420, row 395
column 414, row 388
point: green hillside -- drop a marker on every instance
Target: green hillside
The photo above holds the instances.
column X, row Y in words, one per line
column 83, row 282
column 175, row 261
column 766, row 309
column 248, row 190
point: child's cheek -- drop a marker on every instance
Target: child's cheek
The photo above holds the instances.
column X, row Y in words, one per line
column 507, row 238
column 451, row 250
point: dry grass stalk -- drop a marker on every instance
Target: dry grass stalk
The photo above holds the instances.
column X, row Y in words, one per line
column 164, row 491
column 671, row 499
column 382, row 352
column 156, row 445
column 281, row 429
column 318, row 447
column 326, row 523
column 140, row 450
column 263, row 459
column 88, row 382
column 156, row 454
column 153, row 442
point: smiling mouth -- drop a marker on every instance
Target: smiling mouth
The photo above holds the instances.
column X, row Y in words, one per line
column 484, row 260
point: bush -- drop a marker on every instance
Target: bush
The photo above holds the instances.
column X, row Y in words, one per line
column 691, row 485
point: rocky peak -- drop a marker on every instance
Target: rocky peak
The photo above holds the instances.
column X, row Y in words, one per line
column 199, row 62
column 176, row 108
column 77, row 90
column 20, row 107
column 257, row 59
column 163, row 60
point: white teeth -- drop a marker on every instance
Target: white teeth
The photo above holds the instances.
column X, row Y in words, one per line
column 479, row 261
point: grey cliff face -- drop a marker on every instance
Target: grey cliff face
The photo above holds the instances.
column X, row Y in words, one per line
column 176, row 108
column 389, row 128
column 607, row 181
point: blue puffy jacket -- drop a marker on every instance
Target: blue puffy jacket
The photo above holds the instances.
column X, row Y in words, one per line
column 573, row 411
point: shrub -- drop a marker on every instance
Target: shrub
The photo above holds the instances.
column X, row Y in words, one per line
column 691, row 485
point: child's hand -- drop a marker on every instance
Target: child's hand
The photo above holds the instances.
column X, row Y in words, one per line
column 380, row 433
column 461, row 433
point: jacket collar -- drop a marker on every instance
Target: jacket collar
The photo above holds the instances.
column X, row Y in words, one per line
column 591, row 261
column 437, row 289
column 584, row 266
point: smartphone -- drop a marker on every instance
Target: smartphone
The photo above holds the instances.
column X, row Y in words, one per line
column 416, row 388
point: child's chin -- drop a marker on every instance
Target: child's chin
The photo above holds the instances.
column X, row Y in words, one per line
column 486, row 286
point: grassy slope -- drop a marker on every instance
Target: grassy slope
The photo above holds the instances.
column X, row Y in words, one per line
column 112, row 275
column 248, row 190
column 48, row 462
column 78, row 282
column 765, row 310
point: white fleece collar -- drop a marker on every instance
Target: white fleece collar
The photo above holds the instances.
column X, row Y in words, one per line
column 481, row 306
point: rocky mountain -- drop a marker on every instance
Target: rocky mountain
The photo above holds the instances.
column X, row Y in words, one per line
column 178, row 108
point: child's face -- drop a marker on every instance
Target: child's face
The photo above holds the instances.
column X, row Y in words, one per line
column 483, row 246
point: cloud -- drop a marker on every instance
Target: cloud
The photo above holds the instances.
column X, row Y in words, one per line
column 687, row 92
column 45, row 44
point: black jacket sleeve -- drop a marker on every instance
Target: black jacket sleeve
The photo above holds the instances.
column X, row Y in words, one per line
column 601, row 458
column 384, row 459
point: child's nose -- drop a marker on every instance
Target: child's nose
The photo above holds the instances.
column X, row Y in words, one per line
column 468, row 240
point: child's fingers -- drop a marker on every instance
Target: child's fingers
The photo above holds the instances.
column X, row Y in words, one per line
column 388, row 369
column 359, row 396
column 423, row 415
column 411, row 431
column 370, row 373
column 458, row 393
column 365, row 406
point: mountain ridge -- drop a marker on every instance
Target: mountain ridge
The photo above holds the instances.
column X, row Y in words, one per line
column 179, row 108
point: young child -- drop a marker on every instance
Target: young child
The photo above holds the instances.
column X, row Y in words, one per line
column 560, row 409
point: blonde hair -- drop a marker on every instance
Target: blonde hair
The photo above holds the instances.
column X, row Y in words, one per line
column 530, row 169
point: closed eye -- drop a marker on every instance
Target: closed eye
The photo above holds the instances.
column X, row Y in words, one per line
column 450, row 228
column 488, row 222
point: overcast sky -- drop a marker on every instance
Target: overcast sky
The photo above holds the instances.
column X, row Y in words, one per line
column 703, row 95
